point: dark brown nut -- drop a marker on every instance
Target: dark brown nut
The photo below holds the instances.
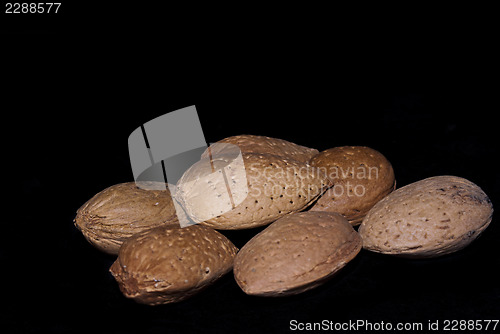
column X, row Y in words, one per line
column 120, row 211
column 266, row 145
column 276, row 187
column 432, row 217
column 361, row 176
column 169, row 264
column 296, row 253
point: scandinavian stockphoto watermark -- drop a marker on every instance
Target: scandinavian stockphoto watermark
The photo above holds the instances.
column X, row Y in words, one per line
column 347, row 181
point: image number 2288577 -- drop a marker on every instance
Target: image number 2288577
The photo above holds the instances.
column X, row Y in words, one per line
column 32, row 7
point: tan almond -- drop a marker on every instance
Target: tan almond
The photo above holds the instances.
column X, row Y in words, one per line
column 432, row 217
column 120, row 211
column 275, row 187
column 265, row 145
column 296, row 253
column 169, row 264
column 361, row 177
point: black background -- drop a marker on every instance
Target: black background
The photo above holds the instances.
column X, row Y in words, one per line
column 73, row 97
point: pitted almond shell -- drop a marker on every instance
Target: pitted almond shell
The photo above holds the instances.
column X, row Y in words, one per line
column 296, row 253
column 169, row 264
column 432, row 217
column 361, row 177
column 120, row 211
column 276, row 187
column 266, row 145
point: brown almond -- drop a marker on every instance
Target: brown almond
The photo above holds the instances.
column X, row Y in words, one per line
column 361, row 177
column 120, row 211
column 276, row 187
column 296, row 253
column 432, row 217
column 265, row 145
column 169, row 264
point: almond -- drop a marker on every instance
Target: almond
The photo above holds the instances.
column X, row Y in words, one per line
column 120, row 211
column 296, row 253
column 169, row 264
column 361, row 177
column 275, row 187
column 432, row 217
column 266, row 145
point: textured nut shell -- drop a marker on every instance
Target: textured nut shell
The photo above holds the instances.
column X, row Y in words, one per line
column 120, row 211
column 169, row 264
column 352, row 168
column 276, row 187
column 267, row 145
column 428, row 218
column 296, row 253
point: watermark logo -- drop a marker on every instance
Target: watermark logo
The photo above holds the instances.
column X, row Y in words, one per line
column 350, row 181
column 163, row 149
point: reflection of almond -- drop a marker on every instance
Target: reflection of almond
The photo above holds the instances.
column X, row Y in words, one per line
column 296, row 253
column 361, row 177
column 118, row 212
column 435, row 216
column 169, row 264
column 274, row 187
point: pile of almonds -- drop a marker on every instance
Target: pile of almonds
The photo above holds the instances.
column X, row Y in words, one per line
column 311, row 201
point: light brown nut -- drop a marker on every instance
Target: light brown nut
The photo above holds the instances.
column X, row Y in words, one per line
column 266, row 145
column 296, row 253
column 276, row 187
column 432, row 217
column 169, row 264
column 118, row 212
column 361, row 176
